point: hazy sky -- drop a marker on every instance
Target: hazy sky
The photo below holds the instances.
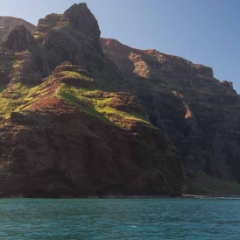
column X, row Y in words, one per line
column 202, row 31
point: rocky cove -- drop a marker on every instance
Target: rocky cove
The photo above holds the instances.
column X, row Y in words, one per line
column 87, row 116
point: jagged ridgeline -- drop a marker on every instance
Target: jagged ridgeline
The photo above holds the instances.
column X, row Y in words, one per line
column 67, row 128
column 84, row 116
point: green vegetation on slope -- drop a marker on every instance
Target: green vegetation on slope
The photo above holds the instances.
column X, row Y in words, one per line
column 13, row 97
column 97, row 103
column 77, row 90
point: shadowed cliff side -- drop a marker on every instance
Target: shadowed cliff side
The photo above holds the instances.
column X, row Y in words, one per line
column 7, row 24
column 199, row 113
column 72, row 36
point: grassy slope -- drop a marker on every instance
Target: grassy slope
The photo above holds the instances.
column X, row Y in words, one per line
column 12, row 98
column 97, row 103
column 88, row 99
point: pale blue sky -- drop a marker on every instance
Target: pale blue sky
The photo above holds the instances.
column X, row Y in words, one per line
column 203, row 31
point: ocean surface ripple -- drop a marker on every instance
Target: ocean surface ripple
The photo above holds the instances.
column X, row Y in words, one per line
column 74, row 219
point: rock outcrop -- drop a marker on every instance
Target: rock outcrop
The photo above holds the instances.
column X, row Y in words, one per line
column 67, row 128
column 7, row 24
column 21, row 58
column 19, row 39
column 72, row 36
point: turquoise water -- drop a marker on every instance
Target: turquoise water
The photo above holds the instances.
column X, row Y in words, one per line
column 119, row 219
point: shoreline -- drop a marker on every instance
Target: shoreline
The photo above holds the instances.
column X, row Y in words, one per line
column 184, row 196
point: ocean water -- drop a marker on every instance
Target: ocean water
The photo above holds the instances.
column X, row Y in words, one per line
column 120, row 219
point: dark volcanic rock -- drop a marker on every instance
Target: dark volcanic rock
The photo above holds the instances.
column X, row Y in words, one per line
column 70, row 135
column 195, row 110
column 18, row 39
column 73, row 36
column 82, row 116
column 21, row 58
column 75, row 140
column 7, row 24
column 82, row 19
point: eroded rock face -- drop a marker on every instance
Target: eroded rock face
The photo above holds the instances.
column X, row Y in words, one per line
column 80, row 18
column 75, row 132
column 73, row 36
column 195, row 110
column 21, row 58
column 81, row 117
column 19, row 39
column 7, row 24
column 75, row 140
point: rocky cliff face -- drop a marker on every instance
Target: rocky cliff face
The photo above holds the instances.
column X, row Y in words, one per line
column 199, row 113
column 66, row 129
column 82, row 116
column 72, row 36
column 9, row 23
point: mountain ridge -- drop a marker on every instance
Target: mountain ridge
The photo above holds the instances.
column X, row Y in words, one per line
column 64, row 132
column 139, row 115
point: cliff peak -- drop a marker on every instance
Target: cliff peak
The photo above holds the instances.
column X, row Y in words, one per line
column 80, row 17
column 9, row 23
column 73, row 36
column 19, row 39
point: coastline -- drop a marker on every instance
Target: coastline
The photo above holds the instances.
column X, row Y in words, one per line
column 183, row 196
